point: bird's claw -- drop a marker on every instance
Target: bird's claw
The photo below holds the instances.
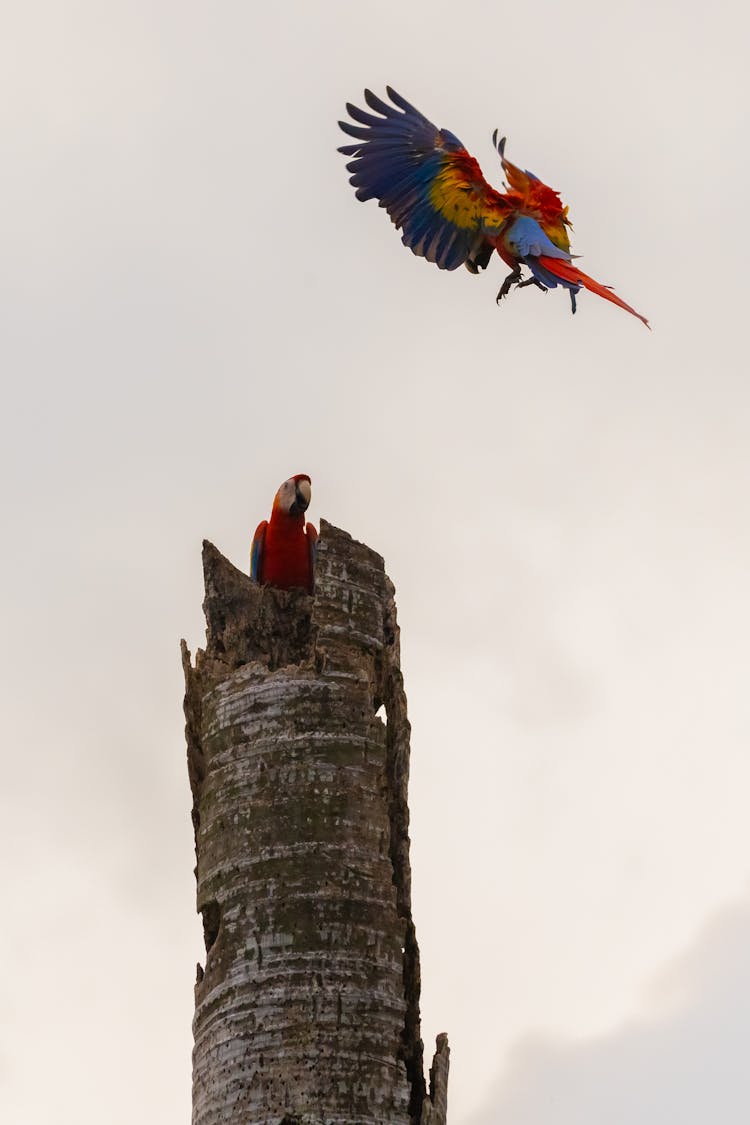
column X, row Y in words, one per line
column 532, row 281
column 511, row 279
column 515, row 279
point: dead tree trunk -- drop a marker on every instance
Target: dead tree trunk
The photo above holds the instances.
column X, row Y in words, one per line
column 308, row 1006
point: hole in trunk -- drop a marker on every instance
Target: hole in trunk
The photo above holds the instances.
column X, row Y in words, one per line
column 211, row 914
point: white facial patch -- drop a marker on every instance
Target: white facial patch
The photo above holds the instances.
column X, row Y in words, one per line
column 286, row 495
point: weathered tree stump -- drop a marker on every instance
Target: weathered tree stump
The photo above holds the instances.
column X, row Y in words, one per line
column 308, row 1007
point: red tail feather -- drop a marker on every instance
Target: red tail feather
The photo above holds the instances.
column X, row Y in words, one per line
column 569, row 271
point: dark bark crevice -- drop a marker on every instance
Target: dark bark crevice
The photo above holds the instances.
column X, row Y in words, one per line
column 398, row 733
column 211, row 914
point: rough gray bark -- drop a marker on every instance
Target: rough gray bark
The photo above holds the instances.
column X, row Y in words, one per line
column 308, row 1007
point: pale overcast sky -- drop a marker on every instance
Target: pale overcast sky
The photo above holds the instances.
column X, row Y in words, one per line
column 194, row 307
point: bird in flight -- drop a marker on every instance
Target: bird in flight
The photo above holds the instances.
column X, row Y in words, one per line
column 283, row 550
column 436, row 195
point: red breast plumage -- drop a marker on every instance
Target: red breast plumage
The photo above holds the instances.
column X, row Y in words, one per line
column 283, row 550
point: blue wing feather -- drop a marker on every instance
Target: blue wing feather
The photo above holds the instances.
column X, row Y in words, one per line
column 401, row 161
column 529, row 242
column 256, row 551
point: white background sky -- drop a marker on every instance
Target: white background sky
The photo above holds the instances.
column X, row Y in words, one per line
column 194, row 307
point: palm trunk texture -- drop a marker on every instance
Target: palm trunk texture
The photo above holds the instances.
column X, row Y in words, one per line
column 307, row 1010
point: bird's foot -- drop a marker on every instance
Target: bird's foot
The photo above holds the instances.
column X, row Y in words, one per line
column 572, row 301
column 532, row 281
column 512, row 279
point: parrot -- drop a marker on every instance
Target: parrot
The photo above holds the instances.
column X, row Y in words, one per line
column 435, row 193
column 283, row 549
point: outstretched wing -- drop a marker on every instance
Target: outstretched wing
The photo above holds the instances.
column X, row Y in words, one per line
column 433, row 190
column 257, row 550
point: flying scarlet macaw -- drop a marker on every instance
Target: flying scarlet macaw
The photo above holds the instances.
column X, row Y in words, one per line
column 283, row 550
column 435, row 193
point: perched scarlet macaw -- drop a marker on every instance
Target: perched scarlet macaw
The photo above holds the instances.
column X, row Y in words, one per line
column 435, row 193
column 283, row 550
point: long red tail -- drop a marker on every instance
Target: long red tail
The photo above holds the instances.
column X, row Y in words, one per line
column 569, row 271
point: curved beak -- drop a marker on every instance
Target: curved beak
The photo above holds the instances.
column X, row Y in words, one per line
column 302, row 495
